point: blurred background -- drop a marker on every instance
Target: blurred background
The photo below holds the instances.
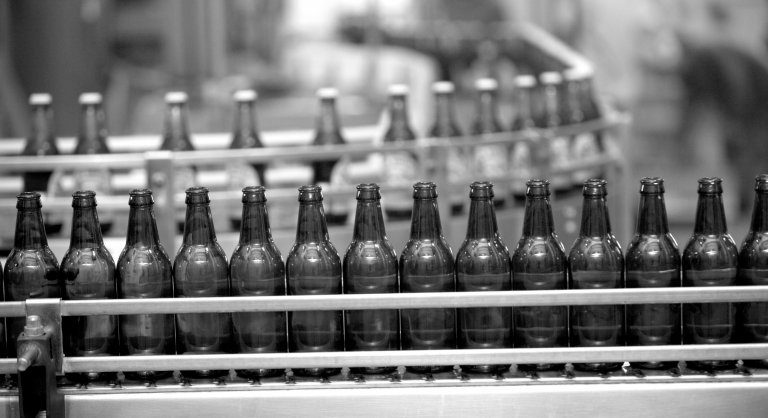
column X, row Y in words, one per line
column 692, row 73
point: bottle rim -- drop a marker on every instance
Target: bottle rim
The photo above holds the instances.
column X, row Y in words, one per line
column 368, row 191
column 368, row 186
column 398, row 90
column 90, row 98
column 710, row 185
column 651, row 185
column 248, row 95
column 425, row 185
column 310, row 193
column 28, row 200
column 537, row 188
column 140, row 192
column 254, row 194
column 327, row 93
column 550, row 77
column 196, row 191
column 481, row 190
column 578, row 73
column 140, row 197
column 28, row 196
column 40, row 99
column 525, row 81
column 761, row 183
column 176, row 97
column 83, row 198
column 486, row 84
column 443, row 87
column 595, row 187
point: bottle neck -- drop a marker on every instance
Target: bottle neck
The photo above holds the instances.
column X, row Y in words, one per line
column 710, row 216
column 312, row 226
column 30, row 233
column 42, row 124
column 198, row 225
column 524, row 117
column 92, row 138
column 398, row 113
column 575, row 101
column 652, row 217
column 369, row 222
column 176, row 130
column 328, row 119
column 588, row 103
column 86, row 232
column 245, row 130
column 482, row 220
column 551, row 106
column 255, row 226
column 142, row 227
column 485, row 121
column 594, row 217
column 425, row 223
column 444, row 120
column 538, row 221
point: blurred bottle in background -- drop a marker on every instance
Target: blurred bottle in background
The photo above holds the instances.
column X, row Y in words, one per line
column 551, row 119
column 400, row 168
column 144, row 270
column 176, row 138
column 245, row 135
column 710, row 259
column 313, row 267
column 521, row 158
column 325, row 173
column 88, row 273
column 581, row 107
column 446, row 126
column 256, row 269
column 491, row 161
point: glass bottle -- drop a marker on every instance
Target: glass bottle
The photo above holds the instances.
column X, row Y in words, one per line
column 256, row 269
column 559, row 151
column 31, row 270
column 313, row 267
column 580, row 108
column 245, row 135
column 427, row 265
column 446, row 126
column 482, row 265
column 42, row 141
column 325, row 173
column 710, row 259
column 144, row 270
column 492, row 160
column 370, row 266
column 653, row 260
column 521, row 158
column 539, row 263
column 596, row 262
column 200, row 270
column 88, row 273
column 753, row 271
column 400, row 168
column 176, row 138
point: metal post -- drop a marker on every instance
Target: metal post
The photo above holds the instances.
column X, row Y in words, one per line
column 160, row 180
column 37, row 373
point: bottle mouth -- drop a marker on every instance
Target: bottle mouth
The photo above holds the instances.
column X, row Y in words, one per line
column 28, row 200
column 761, row 183
column 368, row 191
column 710, row 185
column 486, row 84
column 481, row 190
column 254, row 194
column 651, row 185
column 83, row 199
column 140, row 197
column 398, row 90
column 537, row 188
column 425, row 190
column 245, row 96
column 176, row 97
column 595, row 187
column 197, row 195
column 310, row 193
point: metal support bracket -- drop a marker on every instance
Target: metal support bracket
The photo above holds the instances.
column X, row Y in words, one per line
column 49, row 311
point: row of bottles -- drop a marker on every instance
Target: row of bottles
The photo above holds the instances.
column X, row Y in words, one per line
column 370, row 266
column 548, row 104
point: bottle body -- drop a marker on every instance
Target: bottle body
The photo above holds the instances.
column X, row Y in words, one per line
column 144, row 270
column 539, row 263
column 200, row 270
column 313, row 267
column 256, row 269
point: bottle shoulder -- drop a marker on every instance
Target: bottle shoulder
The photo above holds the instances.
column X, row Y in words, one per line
column 652, row 252
column 539, row 255
column 596, row 253
column 88, row 258
column 710, row 252
column 319, row 258
column 481, row 254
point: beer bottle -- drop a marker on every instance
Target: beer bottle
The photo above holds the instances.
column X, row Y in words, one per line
column 176, row 138
column 753, row 271
column 596, row 262
column 539, row 263
column 328, row 132
column 256, row 269
column 581, row 108
column 445, row 126
column 42, row 141
column 313, row 267
column 552, row 118
column 483, row 264
column 200, row 270
column 400, row 168
column 245, row 135
column 653, row 260
column 522, row 156
column 370, row 266
column 426, row 265
column 88, row 272
column 710, row 259
column 144, row 270
column 31, row 270
column 492, row 160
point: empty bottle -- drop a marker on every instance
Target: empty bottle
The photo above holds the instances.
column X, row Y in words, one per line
column 200, row 270
column 176, row 138
column 523, row 153
column 446, row 126
column 581, row 108
column 653, row 260
column 400, row 168
column 325, row 173
column 427, row 265
column 42, row 141
column 539, row 263
column 596, row 262
column 31, row 270
column 710, row 259
column 753, row 271
column 491, row 160
column 88, row 273
column 313, row 267
column 552, row 118
column 256, row 269
column 370, row 266
column 245, row 135
column 482, row 265
column 144, row 270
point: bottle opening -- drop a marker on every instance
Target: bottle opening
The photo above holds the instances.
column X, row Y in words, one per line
column 486, row 84
column 28, row 200
column 443, row 87
column 86, row 99
column 310, row 193
column 481, row 190
column 328, row 93
column 368, row 191
column 83, row 198
column 710, row 185
column 40, row 99
column 254, row 194
column 595, row 187
column 525, row 81
column 398, row 90
column 140, row 197
column 537, row 187
column 245, row 96
column 425, row 190
column 761, row 183
column 197, row 195
column 176, row 97
column 651, row 185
